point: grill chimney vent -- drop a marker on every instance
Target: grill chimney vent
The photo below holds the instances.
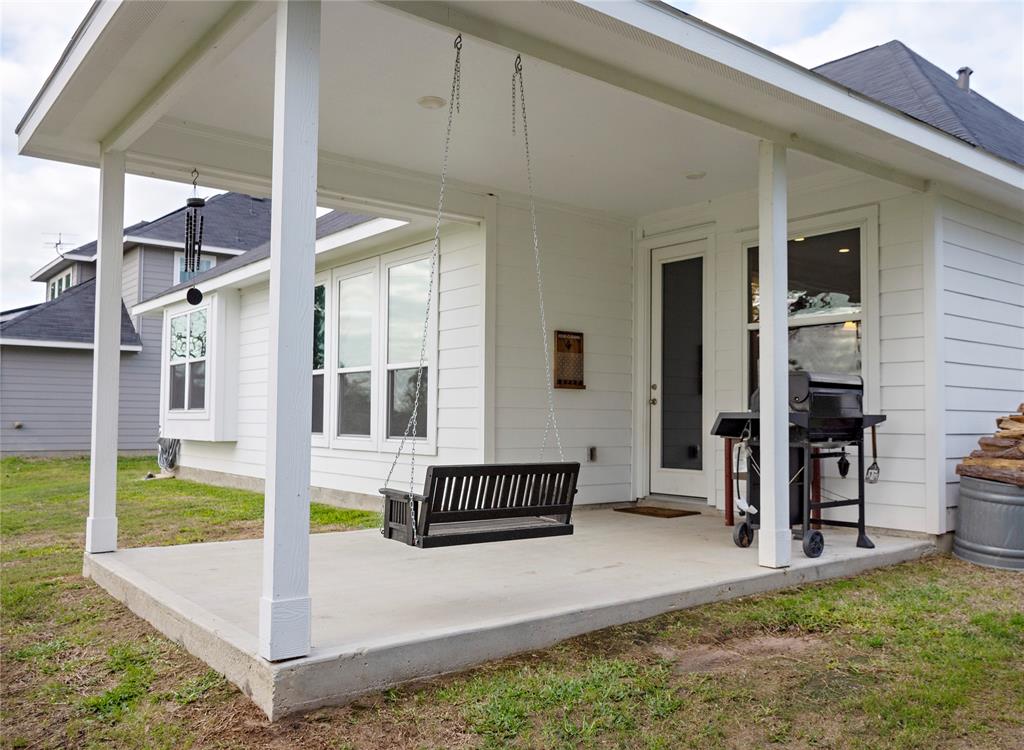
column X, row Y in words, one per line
column 963, row 80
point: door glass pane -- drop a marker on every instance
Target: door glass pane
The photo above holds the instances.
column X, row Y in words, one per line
column 197, row 385
column 197, row 335
column 319, row 323
column 401, row 395
column 407, row 299
column 355, row 320
column 824, row 275
column 179, row 337
column 318, row 404
column 177, row 387
column 354, row 403
column 682, row 339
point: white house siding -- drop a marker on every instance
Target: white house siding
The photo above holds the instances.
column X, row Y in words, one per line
column 588, row 287
column 894, row 348
column 460, row 384
column 983, row 327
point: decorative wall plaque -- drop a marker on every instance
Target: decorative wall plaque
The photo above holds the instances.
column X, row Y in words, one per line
column 569, row 360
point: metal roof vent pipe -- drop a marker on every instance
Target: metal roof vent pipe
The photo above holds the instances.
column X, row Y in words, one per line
column 963, row 80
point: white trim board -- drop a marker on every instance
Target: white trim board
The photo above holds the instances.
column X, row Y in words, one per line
column 53, row 344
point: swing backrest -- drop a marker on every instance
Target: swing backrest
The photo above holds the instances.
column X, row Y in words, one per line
column 464, row 493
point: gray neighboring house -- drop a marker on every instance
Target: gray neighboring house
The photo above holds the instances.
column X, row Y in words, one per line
column 46, row 349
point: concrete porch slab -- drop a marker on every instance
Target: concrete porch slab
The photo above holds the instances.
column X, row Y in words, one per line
column 385, row 613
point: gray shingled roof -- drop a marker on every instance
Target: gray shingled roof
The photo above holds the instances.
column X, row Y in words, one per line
column 232, row 220
column 326, row 225
column 69, row 318
column 895, row 75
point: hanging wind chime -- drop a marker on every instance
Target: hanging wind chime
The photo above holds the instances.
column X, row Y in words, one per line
column 193, row 238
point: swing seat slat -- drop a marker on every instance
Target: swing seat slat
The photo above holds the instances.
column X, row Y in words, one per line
column 472, row 504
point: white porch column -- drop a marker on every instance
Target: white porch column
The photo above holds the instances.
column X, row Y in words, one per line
column 284, row 626
column 101, row 525
column 774, row 540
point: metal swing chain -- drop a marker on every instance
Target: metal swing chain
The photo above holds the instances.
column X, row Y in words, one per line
column 454, row 105
column 551, row 423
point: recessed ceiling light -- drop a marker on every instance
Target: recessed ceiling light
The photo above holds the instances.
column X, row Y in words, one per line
column 696, row 175
column 844, row 249
column 799, row 239
column 431, row 102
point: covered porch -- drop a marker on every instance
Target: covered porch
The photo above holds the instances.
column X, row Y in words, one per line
column 639, row 119
column 386, row 613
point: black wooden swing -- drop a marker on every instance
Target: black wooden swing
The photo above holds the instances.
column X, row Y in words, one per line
column 471, row 504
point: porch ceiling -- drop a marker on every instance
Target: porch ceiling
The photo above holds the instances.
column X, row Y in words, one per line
column 191, row 84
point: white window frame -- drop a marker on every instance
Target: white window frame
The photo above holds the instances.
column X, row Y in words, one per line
column 427, row 445
column 323, row 439
column 188, row 360
column 370, row 442
column 60, row 284
column 179, row 262
column 378, row 441
column 866, row 220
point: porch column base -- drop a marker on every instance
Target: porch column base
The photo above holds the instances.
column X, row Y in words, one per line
column 284, row 628
column 774, row 548
column 101, row 534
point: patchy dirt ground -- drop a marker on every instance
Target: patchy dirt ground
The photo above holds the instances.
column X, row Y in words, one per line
column 923, row 655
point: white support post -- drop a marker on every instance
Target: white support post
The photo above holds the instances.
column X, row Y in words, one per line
column 284, row 613
column 774, row 540
column 101, row 525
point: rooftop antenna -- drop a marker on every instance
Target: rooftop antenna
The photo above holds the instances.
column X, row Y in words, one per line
column 59, row 243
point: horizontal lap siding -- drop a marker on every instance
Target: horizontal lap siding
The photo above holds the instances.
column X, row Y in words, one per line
column 983, row 325
column 49, row 391
column 460, row 342
column 588, row 287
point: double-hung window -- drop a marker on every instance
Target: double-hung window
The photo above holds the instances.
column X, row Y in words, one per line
column 356, row 325
column 60, row 285
column 374, row 325
column 187, row 375
column 824, row 300
column 408, row 284
column 319, row 355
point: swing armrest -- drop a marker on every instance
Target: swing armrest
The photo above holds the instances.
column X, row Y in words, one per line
column 401, row 495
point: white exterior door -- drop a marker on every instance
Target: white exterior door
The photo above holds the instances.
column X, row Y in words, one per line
column 677, row 388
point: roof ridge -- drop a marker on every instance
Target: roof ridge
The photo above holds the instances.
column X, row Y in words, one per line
column 916, row 60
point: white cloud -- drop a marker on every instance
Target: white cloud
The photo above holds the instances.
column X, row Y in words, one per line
column 983, row 35
column 41, row 198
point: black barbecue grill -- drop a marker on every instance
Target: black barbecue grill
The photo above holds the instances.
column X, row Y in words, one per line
column 826, row 416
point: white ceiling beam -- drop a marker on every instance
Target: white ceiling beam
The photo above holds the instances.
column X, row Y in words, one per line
column 231, row 30
column 448, row 16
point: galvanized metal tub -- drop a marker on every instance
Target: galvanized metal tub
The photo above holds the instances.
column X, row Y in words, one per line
column 990, row 526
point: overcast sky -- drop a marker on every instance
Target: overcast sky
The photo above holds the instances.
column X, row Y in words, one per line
column 42, row 198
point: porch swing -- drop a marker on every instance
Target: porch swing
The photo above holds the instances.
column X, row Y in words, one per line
column 471, row 504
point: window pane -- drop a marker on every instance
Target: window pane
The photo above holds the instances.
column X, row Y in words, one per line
column 355, row 320
column 197, row 385
column 205, row 264
column 197, row 335
column 354, row 403
column 682, row 367
column 827, row 348
column 824, row 275
column 407, row 299
column 179, row 337
column 319, row 322
column 177, row 387
column 318, row 404
column 401, row 394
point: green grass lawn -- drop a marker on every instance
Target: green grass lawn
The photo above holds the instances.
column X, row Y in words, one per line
column 922, row 655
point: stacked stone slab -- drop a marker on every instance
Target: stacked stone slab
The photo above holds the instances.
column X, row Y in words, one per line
column 999, row 458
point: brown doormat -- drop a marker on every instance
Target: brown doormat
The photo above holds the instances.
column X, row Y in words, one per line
column 656, row 512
